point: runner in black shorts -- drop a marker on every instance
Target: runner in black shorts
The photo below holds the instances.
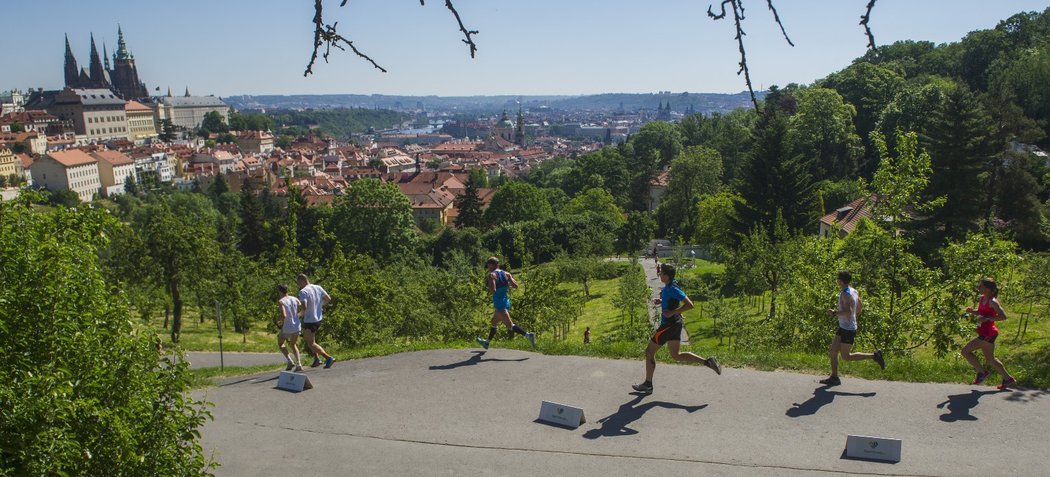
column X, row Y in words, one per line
column 846, row 309
column 673, row 302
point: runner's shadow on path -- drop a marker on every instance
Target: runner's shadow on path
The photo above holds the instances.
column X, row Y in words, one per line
column 616, row 423
column 471, row 361
column 821, row 397
column 959, row 405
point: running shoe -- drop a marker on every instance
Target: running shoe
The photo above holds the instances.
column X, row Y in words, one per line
column 643, row 388
column 712, row 362
column 289, row 367
column 981, row 376
column 328, row 362
column 831, row 381
column 483, row 343
column 1006, row 383
column 316, row 363
column 879, row 359
column 532, row 338
column 299, row 368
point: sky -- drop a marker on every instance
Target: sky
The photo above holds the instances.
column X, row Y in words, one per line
column 525, row 47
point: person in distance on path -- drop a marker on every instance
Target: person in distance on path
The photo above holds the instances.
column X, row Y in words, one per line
column 313, row 298
column 290, row 327
column 498, row 281
column 988, row 311
column 849, row 305
column 673, row 302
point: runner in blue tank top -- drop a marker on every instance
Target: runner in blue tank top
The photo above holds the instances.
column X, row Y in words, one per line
column 498, row 282
column 673, row 302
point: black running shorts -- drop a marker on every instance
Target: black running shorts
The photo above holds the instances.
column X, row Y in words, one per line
column 668, row 332
column 312, row 326
column 988, row 338
column 846, row 336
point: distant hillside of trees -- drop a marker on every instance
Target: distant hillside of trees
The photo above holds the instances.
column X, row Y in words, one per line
column 700, row 102
column 338, row 122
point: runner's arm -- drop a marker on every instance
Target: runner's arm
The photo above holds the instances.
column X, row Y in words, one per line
column 490, row 282
column 511, row 280
column 1000, row 313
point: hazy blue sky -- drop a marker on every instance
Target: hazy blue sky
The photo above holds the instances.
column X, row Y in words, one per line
column 226, row 47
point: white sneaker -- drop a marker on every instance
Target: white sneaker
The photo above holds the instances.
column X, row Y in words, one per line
column 299, row 368
column 532, row 338
column 289, row 367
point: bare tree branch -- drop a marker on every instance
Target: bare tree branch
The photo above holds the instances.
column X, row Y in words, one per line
column 776, row 18
column 466, row 33
column 864, row 19
column 738, row 16
column 325, row 34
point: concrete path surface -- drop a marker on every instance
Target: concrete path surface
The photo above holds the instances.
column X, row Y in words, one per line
column 202, row 359
column 468, row 412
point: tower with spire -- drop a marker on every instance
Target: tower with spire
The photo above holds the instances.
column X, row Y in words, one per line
column 122, row 78
column 519, row 129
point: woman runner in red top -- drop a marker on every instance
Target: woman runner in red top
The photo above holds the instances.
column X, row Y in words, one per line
column 988, row 312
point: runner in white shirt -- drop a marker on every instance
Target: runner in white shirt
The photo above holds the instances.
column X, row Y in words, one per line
column 313, row 298
column 290, row 327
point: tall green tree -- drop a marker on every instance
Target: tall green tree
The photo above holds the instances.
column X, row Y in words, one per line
column 869, row 88
column 959, row 140
column 374, row 219
column 774, row 180
column 251, row 229
column 635, row 233
column 597, row 202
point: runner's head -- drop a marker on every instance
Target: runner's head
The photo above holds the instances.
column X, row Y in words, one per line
column 302, row 280
column 667, row 273
column 282, row 290
column 492, row 263
column 844, row 278
column 989, row 287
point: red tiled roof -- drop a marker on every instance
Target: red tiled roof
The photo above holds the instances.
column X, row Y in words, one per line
column 71, row 157
column 850, row 214
column 113, row 157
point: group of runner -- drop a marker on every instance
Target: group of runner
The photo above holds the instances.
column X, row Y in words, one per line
column 302, row 315
column 673, row 302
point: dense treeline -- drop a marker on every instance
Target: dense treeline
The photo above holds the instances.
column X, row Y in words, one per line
column 338, row 122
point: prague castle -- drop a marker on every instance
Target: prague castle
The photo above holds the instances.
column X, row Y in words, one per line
column 122, row 78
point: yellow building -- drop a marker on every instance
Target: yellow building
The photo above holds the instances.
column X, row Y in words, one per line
column 141, row 126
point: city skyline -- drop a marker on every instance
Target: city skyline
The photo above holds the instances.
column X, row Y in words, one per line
column 539, row 48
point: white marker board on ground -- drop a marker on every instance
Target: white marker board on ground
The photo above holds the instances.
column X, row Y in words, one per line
column 561, row 414
column 873, row 448
column 294, row 382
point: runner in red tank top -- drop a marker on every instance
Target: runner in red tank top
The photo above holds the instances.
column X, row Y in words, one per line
column 988, row 312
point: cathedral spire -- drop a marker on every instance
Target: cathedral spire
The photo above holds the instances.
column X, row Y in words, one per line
column 122, row 48
column 105, row 55
column 187, row 92
column 71, row 70
column 98, row 76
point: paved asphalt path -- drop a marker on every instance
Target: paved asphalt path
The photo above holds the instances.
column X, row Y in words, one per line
column 200, row 359
column 468, row 412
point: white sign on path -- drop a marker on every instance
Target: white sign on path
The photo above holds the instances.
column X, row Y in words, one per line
column 295, row 382
column 561, row 414
column 873, row 448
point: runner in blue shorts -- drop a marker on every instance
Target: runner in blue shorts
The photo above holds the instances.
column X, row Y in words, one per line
column 673, row 302
column 498, row 281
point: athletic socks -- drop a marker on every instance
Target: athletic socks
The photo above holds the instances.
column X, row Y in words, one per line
column 517, row 329
column 492, row 332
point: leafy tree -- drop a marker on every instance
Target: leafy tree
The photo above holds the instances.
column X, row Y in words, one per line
column 605, row 168
column 822, row 132
column 911, row 107
column 696, row 172
column 653, row 147
column 83, row 393
column 729, row 134
column 598, row 202
column 713, row 219
column 213, row 122
column 635, row 233
column 517, row 202
column 167, row 131
column 374, row 219
column 64, row 198
column 218, row 187
column 632, row 300
column 1027, row 78
column 869, row 88
column 173, row 245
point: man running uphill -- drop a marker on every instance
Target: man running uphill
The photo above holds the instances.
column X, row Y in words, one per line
column 498, row 280
column 673, row 302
